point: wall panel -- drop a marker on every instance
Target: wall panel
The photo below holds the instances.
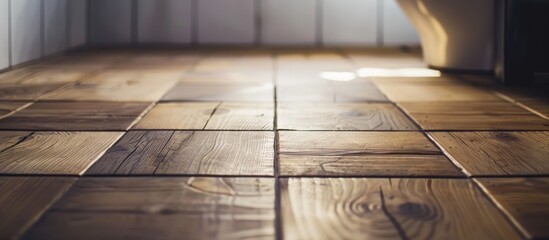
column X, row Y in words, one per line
column 289, row 22
column 4, row 34
column 77, row 22
column 226, row 21
column 397, row 30
column 164, row 21
column 26, row 33
column 111, row 21
column 349, row 22
column 55, row 26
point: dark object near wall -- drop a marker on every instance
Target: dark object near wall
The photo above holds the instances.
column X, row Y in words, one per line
column 526, row 42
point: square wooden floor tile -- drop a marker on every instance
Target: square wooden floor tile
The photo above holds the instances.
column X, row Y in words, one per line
column 33, row 75
column 314, row 60
column 191, row 115
column 136, row 86
column 221, row 92
column 25, row 199
column 538, row 106
column 162, row 208
column 7, row 107
column 63, row 116
column 209, row 115
column 342, row 116
column 386, row 58
column 305, row 93
column 361, row 154
column 498, row 115
column 157, row 62
column 522, row 93
column 83, row 61
column 234, row 62
column 524, row 200
column 242, row 116
column 189, row 153
column 376, row 208
column 309, row 78
column 62, row 153
column 224, row 77
column 358, row 92
column 26, row 92
column 497, row 153
column 435, row 92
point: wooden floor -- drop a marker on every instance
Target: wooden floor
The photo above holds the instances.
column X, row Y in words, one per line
column 267, row 144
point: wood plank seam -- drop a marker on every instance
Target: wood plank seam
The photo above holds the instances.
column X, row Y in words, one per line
column 456, row 164
column 17, row 110
column 500, row 207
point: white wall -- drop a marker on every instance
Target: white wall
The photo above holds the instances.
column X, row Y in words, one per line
column 289, row 22
column 111, row 21
column 26, row 32
column 226, row 21
column 4, row 34
column 32, row 29
column 164, row 21
column 397, row 30
column 78, row 22
column 349, row 22
column 267, row 22
column 55, row 26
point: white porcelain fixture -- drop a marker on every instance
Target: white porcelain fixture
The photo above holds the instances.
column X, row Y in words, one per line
column 455, row 34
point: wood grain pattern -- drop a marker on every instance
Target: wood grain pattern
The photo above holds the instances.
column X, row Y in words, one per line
column 178, row 116
column 342, row 116
column 435, row 92
column 361, row 154
column 92, row 60
column 63, row 153
column 209, row 115
column 297, row 86
column 242, row 116
column 524, row 200
column 159, row 62
column 162, row 208
column 27, row 92
column 25, row 199
column 138, row 86
column 358, row 92
column 33, row 75
column 221, row 92
column 237, row 77
column 343, row 208
column 7, row 107
column 497, row 153
column 186, row 152
column 474, row 116
column 63, row 116
column 11, row 138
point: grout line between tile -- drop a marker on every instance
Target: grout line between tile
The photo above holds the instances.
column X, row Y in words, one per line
column 448, row 156
column 278, row 205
